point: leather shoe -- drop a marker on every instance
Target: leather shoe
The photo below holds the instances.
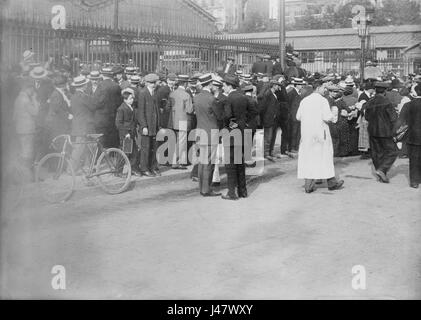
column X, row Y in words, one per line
column 227, row 197
column 337, row 186
column 179, row 168
column 210, row 194
column 270, row 158
column 243, row 195
column 216, row 184
column 414, row 185
column 147, row 174
column 382, row 176
column 157, row 173
column 195, row 179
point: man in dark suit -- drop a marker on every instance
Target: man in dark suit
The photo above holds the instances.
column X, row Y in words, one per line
column 207, row 114
column 269, row 65
column 411, row 115
column 283, row 116
column 229, row 68
column 277, row 67
column 269, row 111
column 381, row 117
column 237, row 106
column 294, row 103
column 259, row 66
column 148, row 118
column 107, row 99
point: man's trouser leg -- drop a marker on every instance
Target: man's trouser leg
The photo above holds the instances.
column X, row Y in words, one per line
column 390, row 153
column 309, row 184
column 285, row 137
column 267, row 139
column 296, row 135
column 376, row 152
column 231, row 174
column 205, row 168
column 332, row 182
column 414, row 155
column 145, row 150
column 77, row 152
column 273, row 139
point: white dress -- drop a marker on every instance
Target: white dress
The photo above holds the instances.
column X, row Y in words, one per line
column 315, row 156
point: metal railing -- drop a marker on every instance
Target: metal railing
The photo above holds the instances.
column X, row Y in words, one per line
column 150, row 49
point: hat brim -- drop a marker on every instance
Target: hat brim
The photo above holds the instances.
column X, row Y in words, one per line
column 34, row 76
column 80, row 84
column 205, row 82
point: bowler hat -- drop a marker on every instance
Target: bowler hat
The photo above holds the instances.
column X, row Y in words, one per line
column 232, row 80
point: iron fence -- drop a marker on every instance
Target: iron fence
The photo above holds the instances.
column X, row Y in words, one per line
column 150, row 49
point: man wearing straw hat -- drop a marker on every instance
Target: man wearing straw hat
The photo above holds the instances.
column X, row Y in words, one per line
column 208, row 115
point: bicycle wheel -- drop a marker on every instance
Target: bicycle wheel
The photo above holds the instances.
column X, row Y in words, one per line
column 114, row 171
column 55, row 178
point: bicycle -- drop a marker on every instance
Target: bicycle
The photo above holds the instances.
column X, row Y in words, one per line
column 56, row 177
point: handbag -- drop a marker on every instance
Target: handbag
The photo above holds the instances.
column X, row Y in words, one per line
column 400, row 133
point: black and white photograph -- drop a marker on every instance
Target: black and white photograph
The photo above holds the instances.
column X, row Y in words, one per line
column 210, row 150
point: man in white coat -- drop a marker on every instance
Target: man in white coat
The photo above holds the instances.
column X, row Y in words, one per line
column 315, row 156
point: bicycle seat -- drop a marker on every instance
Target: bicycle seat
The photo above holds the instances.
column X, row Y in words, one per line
column 94, row 136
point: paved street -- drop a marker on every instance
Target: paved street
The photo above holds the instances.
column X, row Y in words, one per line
column 161, row 240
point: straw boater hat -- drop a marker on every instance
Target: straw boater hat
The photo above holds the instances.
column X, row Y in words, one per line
column 183, row 78
column 130, row 70
column 205, row 79
column 298, row 81
column 349, row 81
column 218, row 83
column 172, row 77
column 79, row 81
column 38, row 73
column 94, row 75
column 107, row 71
column 247, row 87
column 246, row 77
column 135, row 79
column 27, row 55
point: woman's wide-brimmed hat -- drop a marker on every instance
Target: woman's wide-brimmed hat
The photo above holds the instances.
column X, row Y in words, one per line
column 80, row 81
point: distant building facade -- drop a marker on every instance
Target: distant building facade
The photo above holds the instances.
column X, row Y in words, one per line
column 396, row 47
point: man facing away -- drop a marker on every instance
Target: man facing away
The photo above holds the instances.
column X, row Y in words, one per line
column 381, row 117
column 315, row 157
column 208, row 114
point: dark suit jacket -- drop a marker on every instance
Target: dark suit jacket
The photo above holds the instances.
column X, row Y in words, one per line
column 237, row 106
column 269, row 67
column 83, row 110
column 411, row 115
column 284, row 104
column 381, row 117
column 221, row 105
column 277, row 69
column 57, row 119
column 125, row 120
column 162, row 96
column 148, row 112
column 252, row 113
column 269, row 109
column 107, row 99
column 258, row 67
column 294, row 103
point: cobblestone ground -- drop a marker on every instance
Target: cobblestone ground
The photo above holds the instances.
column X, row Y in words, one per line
column 162, row 240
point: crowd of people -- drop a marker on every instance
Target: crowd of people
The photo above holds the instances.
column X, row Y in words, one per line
column 320, row 116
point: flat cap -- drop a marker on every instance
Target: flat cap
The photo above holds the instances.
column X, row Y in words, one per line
column 151, row 78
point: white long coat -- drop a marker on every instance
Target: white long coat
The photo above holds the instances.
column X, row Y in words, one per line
column 315, row 156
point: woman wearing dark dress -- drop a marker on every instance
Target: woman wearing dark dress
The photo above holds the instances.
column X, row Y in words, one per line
column 350, row 101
